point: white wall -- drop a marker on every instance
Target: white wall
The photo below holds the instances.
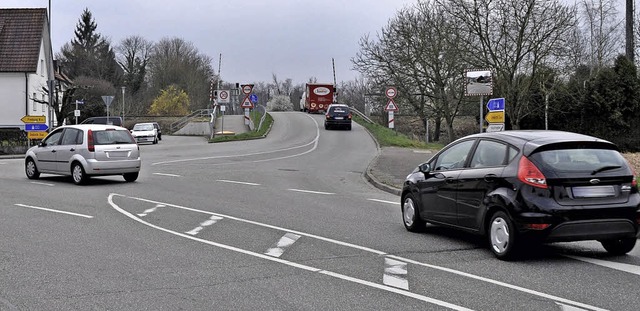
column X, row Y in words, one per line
column 12, row 99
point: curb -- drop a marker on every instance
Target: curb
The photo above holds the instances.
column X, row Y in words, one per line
column 371, row 178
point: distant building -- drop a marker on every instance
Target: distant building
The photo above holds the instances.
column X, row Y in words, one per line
column 26, row 66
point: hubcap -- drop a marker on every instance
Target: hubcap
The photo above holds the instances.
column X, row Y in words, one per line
column 499, row 235
column 77, row 173
column 409, row 212
column 31, row 168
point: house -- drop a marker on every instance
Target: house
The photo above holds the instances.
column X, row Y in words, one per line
column 26, row 66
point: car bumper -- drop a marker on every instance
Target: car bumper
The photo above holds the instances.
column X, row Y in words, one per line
column 145, row 139
column 338, row 122
column 94, row 167
column 577, row 230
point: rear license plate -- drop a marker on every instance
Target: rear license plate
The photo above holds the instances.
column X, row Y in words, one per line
column 117, row 154
column 594, row 192
column 339, row 118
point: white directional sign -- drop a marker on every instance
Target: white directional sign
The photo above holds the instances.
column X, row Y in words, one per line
column 495, row 127
column 223, row 97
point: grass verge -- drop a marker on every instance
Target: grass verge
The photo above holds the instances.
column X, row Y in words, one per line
column 389, row 137
column 260, row 133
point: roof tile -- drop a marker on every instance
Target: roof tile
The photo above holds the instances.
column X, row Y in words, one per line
column 21, row 32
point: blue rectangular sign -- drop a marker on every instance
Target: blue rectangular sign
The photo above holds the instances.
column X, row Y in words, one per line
column 35, row 127
column 495, row 104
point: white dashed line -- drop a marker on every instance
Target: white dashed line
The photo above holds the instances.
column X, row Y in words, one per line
column 238, row 182
column 212, row 220
column 286, row 241
column 383, row 201
column 309, row 191
column 42, row 184
column 165, row 174
column 151, row 210
column 395, row 274
column 53, row 210
column 564, row 307
column 609, row 264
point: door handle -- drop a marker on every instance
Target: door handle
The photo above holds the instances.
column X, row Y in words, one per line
column 53, row 151
column 72, row 149
column 490, row 177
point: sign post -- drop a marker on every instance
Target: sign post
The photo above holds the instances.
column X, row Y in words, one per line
column 107, row 101
column 391, row 107
column 495, row 117
column 247, row 102
column 76, row 112
column 35, row 126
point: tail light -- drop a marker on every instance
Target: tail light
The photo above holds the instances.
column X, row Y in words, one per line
column 349, row 116
column 537, row 226
column 638, row 218
column 634, row 179
column 529, row 174
column 90, row 143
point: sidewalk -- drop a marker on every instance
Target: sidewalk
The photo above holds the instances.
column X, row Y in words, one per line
column 392, row 165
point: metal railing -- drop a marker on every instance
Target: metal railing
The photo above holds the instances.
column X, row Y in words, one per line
column 201, row 113
column 360, row 114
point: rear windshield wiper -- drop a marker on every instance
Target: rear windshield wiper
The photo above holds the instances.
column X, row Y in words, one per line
column 605, row 168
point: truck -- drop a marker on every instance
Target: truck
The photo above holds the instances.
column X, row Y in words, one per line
column 318, row 96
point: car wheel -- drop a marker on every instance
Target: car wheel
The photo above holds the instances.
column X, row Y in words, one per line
column 619, row 246
column 326, row 126
column 155, row 140
column 31, row 169
column 349, row 127
column 131, row 177
column 78, row 174
column 411, row 214
column 502, row 236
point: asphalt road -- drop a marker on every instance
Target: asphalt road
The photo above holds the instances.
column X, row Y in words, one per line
column 282, row 223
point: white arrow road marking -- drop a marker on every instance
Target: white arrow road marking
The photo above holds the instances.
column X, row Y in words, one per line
column 151, row 210
column 238, row 182
column 278, row 249
column 42, row 183
column 395, row 274
column 212, row 220
column 363, row 248
column 309, row 191
column 383, row 201
column 609, row 264
column 290, row 263
column 165, row 174
column 53, row 210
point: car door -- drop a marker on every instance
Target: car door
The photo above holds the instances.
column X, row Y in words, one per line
column 46, row 151
column 69, row 144
column 438, row 189
column 483, row 176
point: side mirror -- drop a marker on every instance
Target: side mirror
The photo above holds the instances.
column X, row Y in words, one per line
column 425, row 168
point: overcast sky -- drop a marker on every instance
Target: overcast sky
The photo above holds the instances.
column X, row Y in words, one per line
column 292, row 38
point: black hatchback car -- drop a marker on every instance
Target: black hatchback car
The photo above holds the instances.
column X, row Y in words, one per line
column 520, row 187
column 338, row 115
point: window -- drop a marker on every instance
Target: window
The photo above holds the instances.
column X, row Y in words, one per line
column 53, row 139
column 454, row 157
column 72, row 137
column 44, row 106
column 489, row 153
column 34, row 101
column 42, row 67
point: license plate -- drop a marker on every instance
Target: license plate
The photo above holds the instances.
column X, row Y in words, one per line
column 117, row 154
column 339, row 118
column 594, row 192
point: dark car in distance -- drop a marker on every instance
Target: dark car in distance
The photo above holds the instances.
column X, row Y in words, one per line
column 110, row 120
column 338, row 115
column 522, row 187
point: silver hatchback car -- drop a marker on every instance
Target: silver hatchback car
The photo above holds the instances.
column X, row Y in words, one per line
column 85, row 150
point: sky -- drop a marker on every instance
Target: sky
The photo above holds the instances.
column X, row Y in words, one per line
column 294, row 39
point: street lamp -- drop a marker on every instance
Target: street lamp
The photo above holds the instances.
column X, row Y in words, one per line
column 123, row 88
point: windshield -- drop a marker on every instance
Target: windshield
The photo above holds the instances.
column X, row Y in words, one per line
column 580, row 160
column 143, row 127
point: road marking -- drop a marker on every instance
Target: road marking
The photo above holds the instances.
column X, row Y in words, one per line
column 42, row 183
column 286, row 241
column 313, row 142
column 165, row 174
column 53, row 210
column 381, row 253
column 238, row 182
column 383, row 201
column 309, row 191
column 292, row 264
column 212, row 220
column 609, row 264
column 564, row 307
column 151, row 210
column 395, row 274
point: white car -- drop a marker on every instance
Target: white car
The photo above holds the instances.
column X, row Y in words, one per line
column 85, row 150
column 145, row 133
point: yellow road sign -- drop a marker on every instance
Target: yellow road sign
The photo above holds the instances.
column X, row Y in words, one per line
column 36, row 135
column 34, row 119
column 495, row 117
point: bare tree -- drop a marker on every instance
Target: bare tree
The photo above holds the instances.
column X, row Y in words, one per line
column 133, row 56
column 604, row 31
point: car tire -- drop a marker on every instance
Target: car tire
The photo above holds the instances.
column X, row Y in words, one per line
column 78, row 174
column 326, row 126
column 31, row 169
column 619, row 246
column 502, row 236
column 411, row 215
column 349, row 127
column 155, row 140
column 130, row 177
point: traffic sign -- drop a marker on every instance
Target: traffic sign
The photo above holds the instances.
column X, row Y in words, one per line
column 495, row 127
column 495, row 104
column 246, row 103
column 391, row 106
column 247, row 88
column 107, row 100
column 36, row 135
column 495, row 117
column 253, row 98
column 223, row 97
column 35, row 127
column 391, row 92
column 81, row 102
column 34, row 119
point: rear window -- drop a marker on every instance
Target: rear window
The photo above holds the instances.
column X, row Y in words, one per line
column 341, row 110
column 580, row 160
column 110, row 137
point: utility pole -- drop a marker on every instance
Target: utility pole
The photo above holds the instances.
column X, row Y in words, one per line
column 630, row 46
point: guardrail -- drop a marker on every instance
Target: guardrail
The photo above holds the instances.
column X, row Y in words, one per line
column 201, row 113
column 362, row 115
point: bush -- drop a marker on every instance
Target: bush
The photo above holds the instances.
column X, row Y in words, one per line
column 280, row 103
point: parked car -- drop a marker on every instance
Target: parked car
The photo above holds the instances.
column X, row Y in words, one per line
column 337, row 115
column 110, row 120
column 145, row 133
column 522, row 187
column 158, row 129
column 85, row 150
